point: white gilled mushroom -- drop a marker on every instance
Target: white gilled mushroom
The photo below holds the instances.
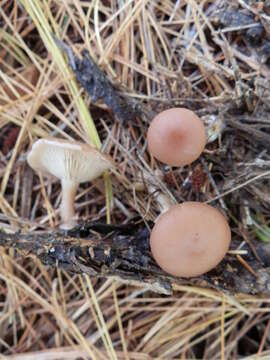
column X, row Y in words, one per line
column 71, row 162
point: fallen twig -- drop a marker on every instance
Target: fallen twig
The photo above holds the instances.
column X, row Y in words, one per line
column 97, row 84
column 123, row 252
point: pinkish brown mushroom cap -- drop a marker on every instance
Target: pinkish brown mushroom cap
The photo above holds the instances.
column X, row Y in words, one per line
column 176, row 137
column 190, row 239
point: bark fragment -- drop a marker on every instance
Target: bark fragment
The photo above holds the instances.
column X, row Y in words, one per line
column 123, row 252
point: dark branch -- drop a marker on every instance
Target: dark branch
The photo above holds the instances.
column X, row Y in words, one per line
column 123, row 251
column 96, row 83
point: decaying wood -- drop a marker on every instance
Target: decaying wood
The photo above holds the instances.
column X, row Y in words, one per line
column 123, row 252
column 96, row 83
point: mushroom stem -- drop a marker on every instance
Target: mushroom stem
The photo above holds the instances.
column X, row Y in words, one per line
column 69, row 189
column 163, row 200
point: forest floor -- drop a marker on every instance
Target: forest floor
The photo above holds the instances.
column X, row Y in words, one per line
column 212, row 57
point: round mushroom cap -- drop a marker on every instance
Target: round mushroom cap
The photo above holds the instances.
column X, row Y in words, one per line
column 71, row 161
column 176, row 137
column 190, row 239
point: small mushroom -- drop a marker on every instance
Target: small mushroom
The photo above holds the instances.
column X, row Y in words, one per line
column 176, row 137
column 164, row 200
column 71, row 162
column 190, row 239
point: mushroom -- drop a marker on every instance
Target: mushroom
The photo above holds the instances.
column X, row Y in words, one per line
column 176, row 137
column 190, row 239
column 164, row 200
column 71, row 162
